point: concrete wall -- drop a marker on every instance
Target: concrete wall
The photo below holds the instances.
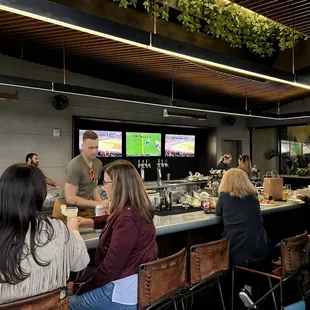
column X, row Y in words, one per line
column 264, row 140
column 26, row 125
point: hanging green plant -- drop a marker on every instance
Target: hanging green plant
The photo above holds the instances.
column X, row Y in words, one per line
column 157, row 9
column 227, row 21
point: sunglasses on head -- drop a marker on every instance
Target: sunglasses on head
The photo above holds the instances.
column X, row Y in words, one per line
column 92, row 175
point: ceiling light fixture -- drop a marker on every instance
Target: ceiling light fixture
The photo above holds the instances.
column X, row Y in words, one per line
column 184, row 115
column 9, row 96
column 155, row 49
column 53, row 89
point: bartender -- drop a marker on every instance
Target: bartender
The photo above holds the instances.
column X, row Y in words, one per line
column 224, row 162
column 82, row 175
column 33, row 159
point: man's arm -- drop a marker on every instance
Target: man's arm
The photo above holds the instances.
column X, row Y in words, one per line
column 51, row 182
column 96, row 196
column 72, row 198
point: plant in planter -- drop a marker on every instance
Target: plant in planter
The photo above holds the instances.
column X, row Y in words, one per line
column 227, row 21
column 292, row 164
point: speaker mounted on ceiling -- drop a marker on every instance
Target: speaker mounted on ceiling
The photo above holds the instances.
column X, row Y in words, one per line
column 228, row 120
column 60, row 102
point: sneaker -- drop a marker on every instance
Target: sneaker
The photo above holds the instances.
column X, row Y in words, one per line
column 246, row 297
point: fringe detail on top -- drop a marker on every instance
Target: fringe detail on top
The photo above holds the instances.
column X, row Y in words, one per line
column 66, row 252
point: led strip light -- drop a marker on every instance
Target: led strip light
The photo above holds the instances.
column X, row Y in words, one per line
column 153, row 48
column 165, row 52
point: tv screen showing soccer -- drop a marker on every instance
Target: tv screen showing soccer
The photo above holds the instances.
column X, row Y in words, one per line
column 110, row 143
column 179, row 145
column 143, row 144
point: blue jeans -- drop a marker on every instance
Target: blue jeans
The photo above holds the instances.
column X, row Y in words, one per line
column 98, row 299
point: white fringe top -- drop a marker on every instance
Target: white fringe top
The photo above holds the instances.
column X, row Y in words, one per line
column 66, row 252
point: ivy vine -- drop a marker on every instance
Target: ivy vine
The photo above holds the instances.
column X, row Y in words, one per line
column 227, row 21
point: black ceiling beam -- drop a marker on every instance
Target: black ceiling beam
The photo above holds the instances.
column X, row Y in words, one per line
column 65, row 14
column 228, row 60
column 109, row 95
column 37, row 53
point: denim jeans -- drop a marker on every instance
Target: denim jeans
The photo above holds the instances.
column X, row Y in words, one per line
column 98, row 299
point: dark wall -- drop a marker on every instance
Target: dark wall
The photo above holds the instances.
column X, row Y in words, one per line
column 178, row 167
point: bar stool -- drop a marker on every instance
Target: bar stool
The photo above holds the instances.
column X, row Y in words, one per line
column 208, row 263
column 293, row 266
column 57, row 299
column 162, row 282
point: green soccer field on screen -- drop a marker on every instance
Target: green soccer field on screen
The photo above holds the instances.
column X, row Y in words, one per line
column 143, row 144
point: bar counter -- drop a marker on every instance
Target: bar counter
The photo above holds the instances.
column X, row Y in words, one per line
column 171, row 224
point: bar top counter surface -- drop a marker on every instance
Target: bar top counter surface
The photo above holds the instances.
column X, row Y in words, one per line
column 187, row 221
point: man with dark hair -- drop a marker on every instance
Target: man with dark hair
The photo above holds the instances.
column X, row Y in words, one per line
column 33, row 159
column 82, row 174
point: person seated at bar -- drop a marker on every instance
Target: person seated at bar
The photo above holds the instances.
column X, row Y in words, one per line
column 243, row 225
column 224, row 162
column 127, row 241
column 33, row 159
column 82, row 175
column 37, row 253
column 245, row 164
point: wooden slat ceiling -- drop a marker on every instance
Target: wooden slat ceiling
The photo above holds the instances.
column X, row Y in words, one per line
column 83, row 46
column 292, row 13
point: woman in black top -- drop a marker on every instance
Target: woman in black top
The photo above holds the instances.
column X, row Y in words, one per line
column 224, row 162
column 243, row 225
column 245, row 164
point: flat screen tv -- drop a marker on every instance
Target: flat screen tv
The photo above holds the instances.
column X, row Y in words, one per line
column 179, row 145
column 143, row 144
column 110, row 143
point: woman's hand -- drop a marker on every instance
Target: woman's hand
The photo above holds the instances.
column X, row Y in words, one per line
column 106, row 205
column 73, row 223
column 85, row 223
column 70, row 287
column 300, row 197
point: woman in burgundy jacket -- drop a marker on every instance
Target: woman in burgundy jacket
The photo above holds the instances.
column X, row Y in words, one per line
column 126, row 242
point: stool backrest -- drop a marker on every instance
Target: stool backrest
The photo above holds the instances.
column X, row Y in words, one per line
column 294, row 253
column 208, row 259
column 48, row 301
column 160, row 278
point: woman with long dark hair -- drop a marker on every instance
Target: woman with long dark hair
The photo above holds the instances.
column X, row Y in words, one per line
column 128, row 240
column 37, row 253
column 245, row 164
column 224, row 162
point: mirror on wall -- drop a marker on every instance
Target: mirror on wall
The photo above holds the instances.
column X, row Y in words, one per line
column 285, row 149
column 265, row 149
column 294, row 144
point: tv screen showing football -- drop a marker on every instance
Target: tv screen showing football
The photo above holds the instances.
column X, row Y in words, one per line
column 143, row 144
column 179, row 145
column 110, row 143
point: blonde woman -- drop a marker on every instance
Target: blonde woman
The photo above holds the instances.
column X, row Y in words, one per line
column 127, row 241
column 243, row 225
column 224, row 162
column 245, row 164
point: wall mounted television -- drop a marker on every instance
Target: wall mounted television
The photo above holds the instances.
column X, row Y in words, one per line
column 140, row 144
column 110, row 142
column 179, row 145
